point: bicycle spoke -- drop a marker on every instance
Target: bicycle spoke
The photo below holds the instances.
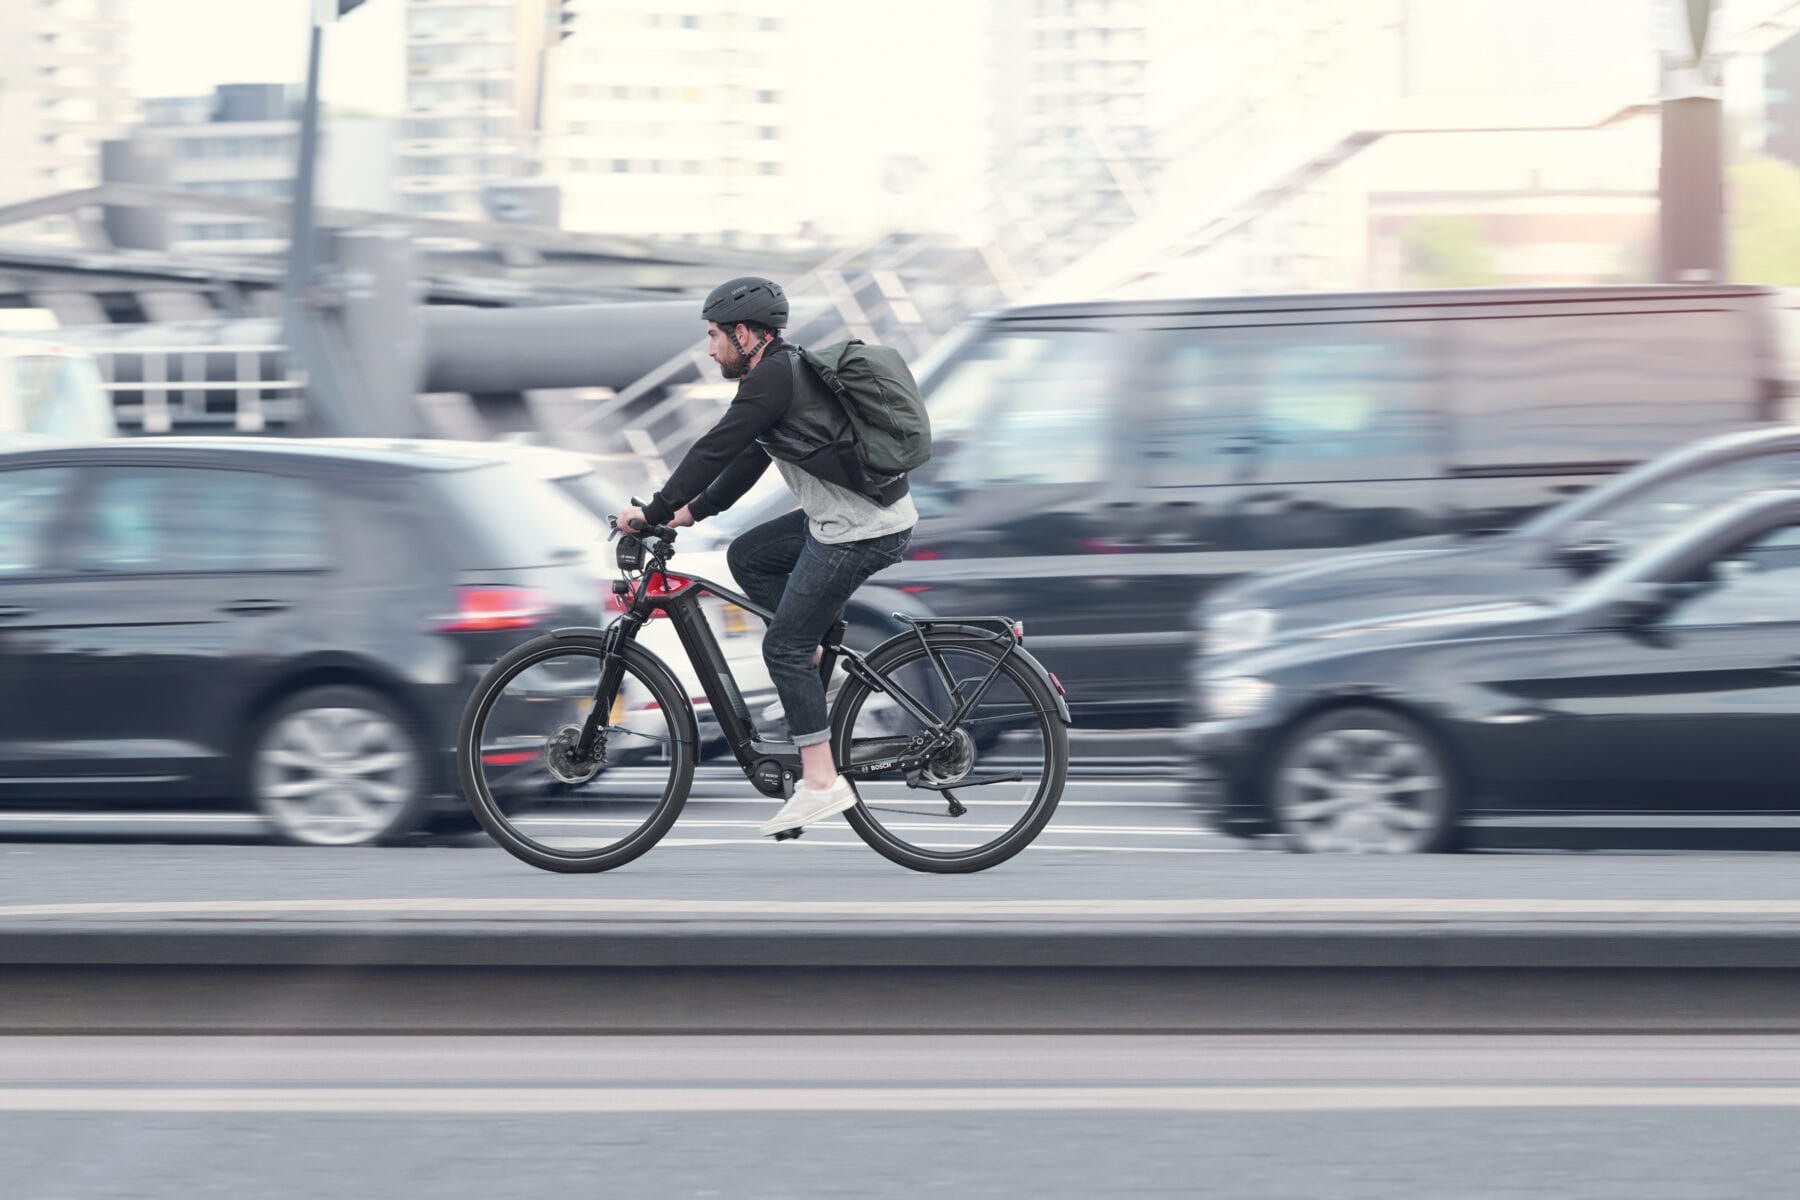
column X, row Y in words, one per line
column 558, row 805
column 923, row 824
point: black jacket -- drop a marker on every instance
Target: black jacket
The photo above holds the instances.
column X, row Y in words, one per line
column 783, row 411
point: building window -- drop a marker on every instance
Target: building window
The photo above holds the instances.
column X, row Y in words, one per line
column 768, row 133
column 621, row 166
column 767, row 96
column 690, row 22
column 768, row 24
column 768, row 168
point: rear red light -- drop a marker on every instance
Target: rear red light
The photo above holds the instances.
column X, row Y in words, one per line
column 484, row 609
column 1019, row 630
column 924, row 556
column 509, row 758
column 1057, row 682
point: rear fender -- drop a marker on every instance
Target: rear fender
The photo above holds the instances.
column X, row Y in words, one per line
column 990, row 637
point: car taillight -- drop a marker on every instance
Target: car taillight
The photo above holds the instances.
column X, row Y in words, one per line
column 484, row 609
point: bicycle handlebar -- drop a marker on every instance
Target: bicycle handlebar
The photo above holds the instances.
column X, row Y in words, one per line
column 640, row 529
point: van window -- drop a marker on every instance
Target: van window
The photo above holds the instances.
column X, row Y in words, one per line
column 1598, row 388
column 1019, row 407
column 61, row 395
column 1294, row 404
column 30, row 502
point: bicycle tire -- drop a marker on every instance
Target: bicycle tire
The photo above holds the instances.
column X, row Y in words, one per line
column 648, row 670
column 906, row 650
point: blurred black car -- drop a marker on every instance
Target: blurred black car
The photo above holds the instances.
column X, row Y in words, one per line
column 1098, row 467
column 275, row 622
column 1667, row 684
column 1575, row 538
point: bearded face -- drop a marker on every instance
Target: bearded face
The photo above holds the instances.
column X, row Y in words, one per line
column 721, row 348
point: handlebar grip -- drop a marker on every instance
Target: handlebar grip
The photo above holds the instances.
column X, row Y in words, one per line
column 656, row 531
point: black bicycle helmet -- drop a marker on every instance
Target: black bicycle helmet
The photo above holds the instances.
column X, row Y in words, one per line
column 750, row 298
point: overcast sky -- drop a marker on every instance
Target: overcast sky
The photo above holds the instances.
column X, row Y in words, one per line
column 186, row 47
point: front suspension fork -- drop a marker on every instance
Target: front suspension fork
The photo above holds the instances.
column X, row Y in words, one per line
column 612, row 673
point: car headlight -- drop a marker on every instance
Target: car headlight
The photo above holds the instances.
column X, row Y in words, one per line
column 1230, row 697
column 1237, row 630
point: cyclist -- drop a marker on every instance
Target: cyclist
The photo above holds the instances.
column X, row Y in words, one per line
column 804, row 565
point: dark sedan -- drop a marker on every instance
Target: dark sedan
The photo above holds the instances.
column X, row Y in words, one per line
column 1667, row 684
column 1573, row 539
column 275, row 622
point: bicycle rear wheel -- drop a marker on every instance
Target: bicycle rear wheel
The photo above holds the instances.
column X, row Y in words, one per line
column 1011, row 756
column 533, row 794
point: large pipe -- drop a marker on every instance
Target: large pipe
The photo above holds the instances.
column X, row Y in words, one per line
column 561, row 346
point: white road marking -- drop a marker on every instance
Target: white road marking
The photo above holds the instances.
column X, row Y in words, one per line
column 512, row 1101
column 536, row 823
column 1395, row 907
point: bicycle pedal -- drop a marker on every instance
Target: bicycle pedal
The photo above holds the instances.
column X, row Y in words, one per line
column 786, row 834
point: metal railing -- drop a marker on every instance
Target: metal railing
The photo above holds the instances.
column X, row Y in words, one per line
column 188, row 387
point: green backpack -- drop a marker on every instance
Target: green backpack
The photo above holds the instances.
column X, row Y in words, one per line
column 878, row 394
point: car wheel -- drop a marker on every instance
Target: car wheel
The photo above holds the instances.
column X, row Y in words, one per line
column 1363, row 780
column 338, row 766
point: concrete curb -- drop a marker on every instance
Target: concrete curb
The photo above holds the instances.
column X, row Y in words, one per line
column 1066, row 946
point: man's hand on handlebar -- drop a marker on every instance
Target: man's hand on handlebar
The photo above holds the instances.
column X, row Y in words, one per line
column 629, row 519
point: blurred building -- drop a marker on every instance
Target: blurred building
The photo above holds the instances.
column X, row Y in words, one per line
column 244, row 140
column 62, row 93
column 1070, row 104
column 1781, row 101
column 1319, row 146
column 673, row 121
column 472, row 74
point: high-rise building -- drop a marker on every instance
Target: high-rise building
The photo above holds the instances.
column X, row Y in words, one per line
column 244, row 140
column 472, row 74
column 672, row 120
column 1070, row 102
column 62, row 93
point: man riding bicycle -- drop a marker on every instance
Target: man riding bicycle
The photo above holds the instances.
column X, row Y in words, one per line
column 804, row 565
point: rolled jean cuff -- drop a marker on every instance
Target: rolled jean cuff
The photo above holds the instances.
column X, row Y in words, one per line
column 812, row 739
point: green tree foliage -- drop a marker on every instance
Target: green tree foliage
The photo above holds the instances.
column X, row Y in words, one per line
column 1447, row 251
column 1763, row 221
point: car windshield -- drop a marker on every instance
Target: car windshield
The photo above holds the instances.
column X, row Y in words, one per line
column 1642, row 514
column 514, row 519
column 594, row 492
column 62, row 395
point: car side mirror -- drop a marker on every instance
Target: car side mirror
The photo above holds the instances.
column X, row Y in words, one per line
column 1640, row 605
column 1588, row 552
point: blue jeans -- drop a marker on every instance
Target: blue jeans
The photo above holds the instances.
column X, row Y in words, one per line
column 782, row 566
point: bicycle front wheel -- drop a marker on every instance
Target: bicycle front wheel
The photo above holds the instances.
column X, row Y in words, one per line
column 525, row 780
column 1005, row 770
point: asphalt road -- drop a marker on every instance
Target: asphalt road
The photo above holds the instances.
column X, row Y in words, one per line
column 1387, row 1118
column 1121, row 841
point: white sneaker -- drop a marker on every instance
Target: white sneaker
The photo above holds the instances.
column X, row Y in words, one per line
column 809, row 805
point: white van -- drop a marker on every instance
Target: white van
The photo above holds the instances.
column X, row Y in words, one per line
column 53, row 390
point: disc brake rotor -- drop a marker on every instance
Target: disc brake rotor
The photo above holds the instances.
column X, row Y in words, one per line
column 565, row 761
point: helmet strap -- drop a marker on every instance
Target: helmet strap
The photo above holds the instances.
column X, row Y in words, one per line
column 747, row 355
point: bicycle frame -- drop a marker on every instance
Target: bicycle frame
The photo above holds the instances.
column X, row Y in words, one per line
column 772, row 767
